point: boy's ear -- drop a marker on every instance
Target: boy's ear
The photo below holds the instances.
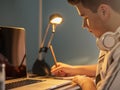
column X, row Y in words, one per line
column 104, row 12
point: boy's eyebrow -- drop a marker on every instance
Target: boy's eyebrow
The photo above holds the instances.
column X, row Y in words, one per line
column 82, row 14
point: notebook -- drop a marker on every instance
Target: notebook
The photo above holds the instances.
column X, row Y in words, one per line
column 13, row 47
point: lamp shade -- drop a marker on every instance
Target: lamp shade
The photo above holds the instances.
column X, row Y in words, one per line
column 56, row 19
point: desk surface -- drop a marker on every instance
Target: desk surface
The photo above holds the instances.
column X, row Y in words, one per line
column 49, row 83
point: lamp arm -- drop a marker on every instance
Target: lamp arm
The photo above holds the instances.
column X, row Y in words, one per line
column 43, row 49
column 45, row 35
column 52, row 35
column 53, row 54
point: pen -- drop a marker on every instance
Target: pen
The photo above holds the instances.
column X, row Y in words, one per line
column 53, row 54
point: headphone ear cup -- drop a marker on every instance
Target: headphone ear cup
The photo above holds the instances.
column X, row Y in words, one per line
column 100, row 44
column 106, row 41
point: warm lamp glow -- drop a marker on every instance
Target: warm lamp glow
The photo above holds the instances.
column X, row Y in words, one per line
column 56, row 19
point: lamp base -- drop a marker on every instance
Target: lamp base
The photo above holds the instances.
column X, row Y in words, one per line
column 40, row 67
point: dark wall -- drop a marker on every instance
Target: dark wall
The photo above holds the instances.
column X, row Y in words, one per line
column 71, row 43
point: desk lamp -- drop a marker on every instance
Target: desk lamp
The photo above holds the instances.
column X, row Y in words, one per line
column 40, row 67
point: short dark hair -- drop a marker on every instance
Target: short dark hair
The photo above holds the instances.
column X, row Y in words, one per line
column 94, row 4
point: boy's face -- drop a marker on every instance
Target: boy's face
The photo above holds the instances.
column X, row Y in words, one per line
column 92, row 21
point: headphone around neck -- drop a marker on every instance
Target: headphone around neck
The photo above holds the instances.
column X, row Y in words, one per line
column 108, row 40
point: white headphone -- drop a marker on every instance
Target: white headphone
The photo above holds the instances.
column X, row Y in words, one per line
column 108, row 40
